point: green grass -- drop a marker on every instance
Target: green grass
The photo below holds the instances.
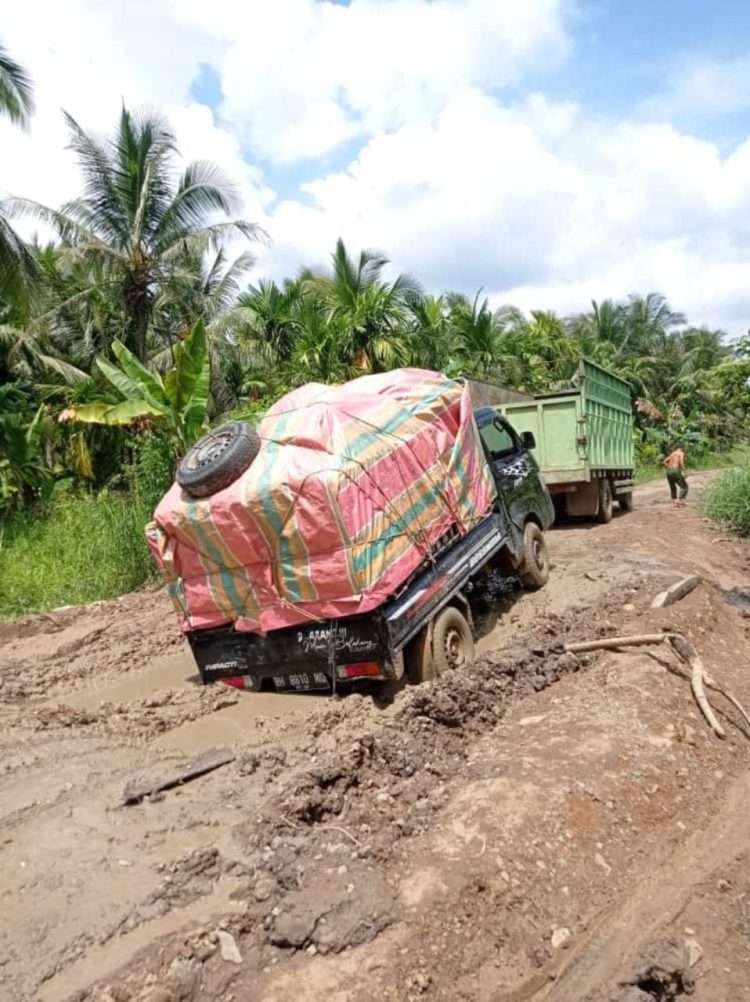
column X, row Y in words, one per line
column 727, row 500
column 86, row 547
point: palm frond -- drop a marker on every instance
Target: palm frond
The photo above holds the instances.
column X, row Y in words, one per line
column 16, row 90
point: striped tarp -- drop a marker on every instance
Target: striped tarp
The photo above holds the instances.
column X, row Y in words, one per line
column 351, row 488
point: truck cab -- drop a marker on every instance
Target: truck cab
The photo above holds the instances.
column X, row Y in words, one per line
column 520, row 484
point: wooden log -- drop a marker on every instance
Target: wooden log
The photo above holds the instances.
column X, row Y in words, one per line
column 610, row 643
column 137, row 789
column 676, row 591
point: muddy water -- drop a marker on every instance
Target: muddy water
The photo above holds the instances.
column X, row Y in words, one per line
column 171, row 672
column 253, row 715
column 254, row 711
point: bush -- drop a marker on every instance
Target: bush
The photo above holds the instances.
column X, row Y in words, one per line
column 728, row 500
column 84, row 546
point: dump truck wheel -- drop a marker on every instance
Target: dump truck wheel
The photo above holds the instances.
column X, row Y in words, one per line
column 625, row 501
column 217, row 459
column 535, row 566
column 604, row 514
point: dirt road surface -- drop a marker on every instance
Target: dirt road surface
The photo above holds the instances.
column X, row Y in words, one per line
column 540, row 827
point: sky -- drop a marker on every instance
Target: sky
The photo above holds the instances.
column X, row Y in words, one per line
column 549, row 152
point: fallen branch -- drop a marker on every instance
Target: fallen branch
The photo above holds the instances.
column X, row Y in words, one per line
column 608, row 643
column 676, row 591
column 686, row 652
column 684, row 649
column 728, row 696
column 138, row 789
column 712, row 684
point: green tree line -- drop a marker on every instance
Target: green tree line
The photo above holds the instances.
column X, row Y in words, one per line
column 134, row 328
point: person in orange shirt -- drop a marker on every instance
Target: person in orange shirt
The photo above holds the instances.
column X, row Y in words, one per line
column 676, row 475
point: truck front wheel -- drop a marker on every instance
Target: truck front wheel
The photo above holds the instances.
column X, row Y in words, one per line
column 535, row 566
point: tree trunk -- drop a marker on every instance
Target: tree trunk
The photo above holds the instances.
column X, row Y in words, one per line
column 138, row 299
column 141, row 311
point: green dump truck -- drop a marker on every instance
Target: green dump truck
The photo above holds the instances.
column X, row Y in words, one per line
column 584, row 438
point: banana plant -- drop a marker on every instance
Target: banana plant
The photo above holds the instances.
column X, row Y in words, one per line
column 174, row 404
column 23, row 472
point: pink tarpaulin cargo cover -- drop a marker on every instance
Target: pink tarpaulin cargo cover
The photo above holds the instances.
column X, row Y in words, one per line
column 351, row 488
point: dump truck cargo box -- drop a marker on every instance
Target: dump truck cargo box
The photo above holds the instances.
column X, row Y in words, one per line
column 581, row 432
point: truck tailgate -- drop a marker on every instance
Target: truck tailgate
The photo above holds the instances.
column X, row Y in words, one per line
column 555, row 422
column 294, row 658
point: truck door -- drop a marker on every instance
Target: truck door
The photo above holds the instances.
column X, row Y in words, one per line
column 516, row 473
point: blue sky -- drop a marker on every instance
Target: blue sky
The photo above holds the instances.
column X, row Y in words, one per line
column 628, row 51
column 624, row 53
column 551, row 152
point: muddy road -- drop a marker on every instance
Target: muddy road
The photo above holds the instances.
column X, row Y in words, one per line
column 541, row 827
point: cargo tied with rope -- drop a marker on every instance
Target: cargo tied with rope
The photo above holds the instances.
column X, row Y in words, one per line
column 351, row 488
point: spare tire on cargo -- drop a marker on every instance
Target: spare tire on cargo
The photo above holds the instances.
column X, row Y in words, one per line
column 217, row 459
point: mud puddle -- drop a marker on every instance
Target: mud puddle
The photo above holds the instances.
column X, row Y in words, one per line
column 254, row 715
column 173, row 671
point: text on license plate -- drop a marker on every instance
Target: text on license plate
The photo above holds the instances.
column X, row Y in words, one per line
column 302, row 680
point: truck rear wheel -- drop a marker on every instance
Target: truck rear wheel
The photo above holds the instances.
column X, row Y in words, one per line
column 418, row 658
column 535, row 566
column 452, row 647
column 604, row 514
column 625, row 501
column 452, row 641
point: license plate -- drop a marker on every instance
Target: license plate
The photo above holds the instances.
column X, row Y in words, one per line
column 301, row 682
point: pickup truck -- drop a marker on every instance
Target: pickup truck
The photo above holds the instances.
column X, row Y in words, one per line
column 584, row 437
column 426, row 624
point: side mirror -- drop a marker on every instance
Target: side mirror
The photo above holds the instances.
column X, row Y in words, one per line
column 528, row 441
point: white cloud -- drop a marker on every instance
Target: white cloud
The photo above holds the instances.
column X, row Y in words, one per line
column 540, row 206
column 89, row 58
column 700, row 89
column 533, row 199
column 300, row 77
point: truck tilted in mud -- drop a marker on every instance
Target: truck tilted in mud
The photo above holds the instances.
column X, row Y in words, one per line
column 354, row 536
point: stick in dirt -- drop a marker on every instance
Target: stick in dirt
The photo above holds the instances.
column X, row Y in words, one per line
column 686, row 652
column 138, row 789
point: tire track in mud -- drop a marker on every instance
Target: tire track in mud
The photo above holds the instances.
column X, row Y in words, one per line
column 615, row 949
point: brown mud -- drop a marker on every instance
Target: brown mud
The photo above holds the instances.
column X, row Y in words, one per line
column 538, row 827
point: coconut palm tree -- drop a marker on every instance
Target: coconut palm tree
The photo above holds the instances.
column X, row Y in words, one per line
column 433, row 342
column 372, row 314
column 16, row 262
column 132, row 218
column 16, row 90
column 646, row 324
column 478, row 332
